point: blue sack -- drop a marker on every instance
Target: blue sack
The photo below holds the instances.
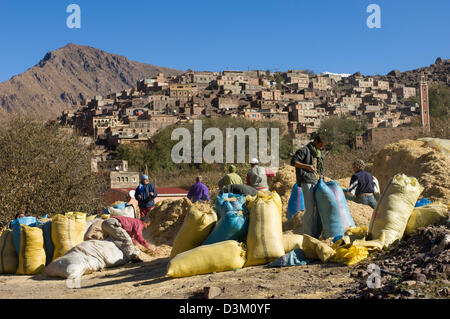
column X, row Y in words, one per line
column 296, row 201
column 423, row 202
column 48, row 243
column 333, row 209
column 295, row 257
column 223, row 205
column 232, row 226
column 16, row 227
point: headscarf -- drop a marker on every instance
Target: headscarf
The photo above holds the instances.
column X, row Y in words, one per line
column 316, row 154
column 232, row 169
column 144, row 177
column 359, row 163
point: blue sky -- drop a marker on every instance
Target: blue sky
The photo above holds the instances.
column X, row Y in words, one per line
column 321, row 35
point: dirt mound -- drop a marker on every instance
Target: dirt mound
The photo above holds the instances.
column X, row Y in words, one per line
column 344, row 182
column 167, row 218
column 361, row 213
column 421, row 159
column 282, row 183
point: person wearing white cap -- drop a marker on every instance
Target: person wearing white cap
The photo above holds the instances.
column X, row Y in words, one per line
column 257, row 176
column 131, row 200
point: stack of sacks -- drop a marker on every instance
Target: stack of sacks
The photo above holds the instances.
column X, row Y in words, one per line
column 264, row 238
column 32, row 243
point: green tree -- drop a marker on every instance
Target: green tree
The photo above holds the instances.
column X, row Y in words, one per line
column 45, row 170
column 439, row 97
column 341, row 131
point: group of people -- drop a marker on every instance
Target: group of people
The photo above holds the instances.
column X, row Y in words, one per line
column 256, row 180
column 309, row 168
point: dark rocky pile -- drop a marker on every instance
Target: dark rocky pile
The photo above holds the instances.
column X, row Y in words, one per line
column 418, row 267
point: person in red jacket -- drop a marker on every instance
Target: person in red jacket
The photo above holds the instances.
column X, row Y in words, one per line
column 125, row 232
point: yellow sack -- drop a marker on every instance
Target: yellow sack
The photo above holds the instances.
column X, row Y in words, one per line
column 394, row 208
column 197, row 225
column 291, row 242
column 315, row 249
column 221, row 256
column 67, row 232
column 32, row 251
column 426, row 215
column 8, row 255
column 265, row 234
column 350, row 256
column 371, row 245
column 357, row 231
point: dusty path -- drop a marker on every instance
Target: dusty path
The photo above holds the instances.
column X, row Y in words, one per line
column 148, row 280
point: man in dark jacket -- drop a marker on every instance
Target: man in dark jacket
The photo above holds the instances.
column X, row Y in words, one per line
column 308, row 163
column 239, row 189
column 363, row 185
column 145, row 194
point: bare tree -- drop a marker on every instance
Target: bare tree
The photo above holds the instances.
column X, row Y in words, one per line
column 45, row 170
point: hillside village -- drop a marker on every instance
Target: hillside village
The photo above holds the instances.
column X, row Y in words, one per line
column 298, row 99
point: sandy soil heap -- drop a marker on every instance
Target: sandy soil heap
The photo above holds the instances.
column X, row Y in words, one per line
column 424, row 160
column 167, row 218
column 282, row 183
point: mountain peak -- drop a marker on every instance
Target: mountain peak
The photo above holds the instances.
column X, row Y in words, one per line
column 65, row 76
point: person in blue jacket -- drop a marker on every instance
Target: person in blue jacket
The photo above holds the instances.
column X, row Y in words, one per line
column 145, row 195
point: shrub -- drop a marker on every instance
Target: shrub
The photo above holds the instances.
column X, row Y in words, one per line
column 45, row 170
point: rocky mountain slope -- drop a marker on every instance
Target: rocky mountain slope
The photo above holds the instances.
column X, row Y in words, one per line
column 68, row 75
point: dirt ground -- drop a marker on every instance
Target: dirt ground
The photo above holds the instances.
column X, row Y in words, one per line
column 148, row 280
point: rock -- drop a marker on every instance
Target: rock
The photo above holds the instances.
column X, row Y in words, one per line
column 419, row 277
column 410, row 283
column 444, row 292
column 265, row 286
column 408, row 292
column 445, row 282
column 362, row 273
column 211, row 292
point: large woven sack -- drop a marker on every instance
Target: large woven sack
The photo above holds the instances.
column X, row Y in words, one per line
column 296, row 201
column 232, row 226
column 265, row 235
column 67, row 232
column 426, row 215
column 85, row 258
column 95, row 230
column 316, row 249
column 8, row 256
column 32, row 251
column 46, row 227
column 226, row 202
column 16, row 225
column 197, row 225
column 333, row 209
column 222, row 256
column 394, row 209
column 127, row 211
column 291, row 242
